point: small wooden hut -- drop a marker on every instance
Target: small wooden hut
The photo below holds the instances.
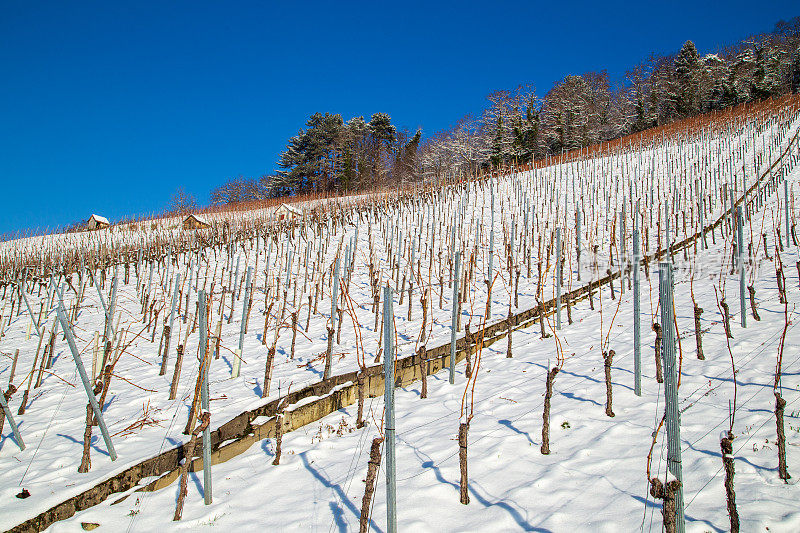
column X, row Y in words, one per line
column 195, row 222
column 97, row 222
column 288, row 212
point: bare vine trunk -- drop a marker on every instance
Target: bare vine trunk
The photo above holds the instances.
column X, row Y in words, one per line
column 568, row 302
column 659, row 336
column 188, row 454
column 424, row 302
column 329, row 355
column 781, row 285
column 7, row 395
column 666, row 493
column 698, row 332
column 423, row 367
column 294, row 333
column 780, row 404
column 510, row 324
column 726, row 445
column 165, row 337
column 268, row 371
column 551, row 376
column 463, row 428
column 361, row 378
column 608, row 358
column 752, row 292
column 468, row 352
column 541, row 320
column 86, row 460
column 372, row 474
column 726, row 318
column 339, row 326
column 279, row 418
column 176, row 375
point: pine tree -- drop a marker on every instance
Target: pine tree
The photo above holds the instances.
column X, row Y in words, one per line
column 497, row 144
column 530, row 133
column 686, row 67
column 409, row 156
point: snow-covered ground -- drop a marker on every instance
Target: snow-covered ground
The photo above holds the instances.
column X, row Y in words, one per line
column 595, row 478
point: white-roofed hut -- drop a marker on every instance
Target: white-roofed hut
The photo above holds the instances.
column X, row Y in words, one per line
column 97, row 222
column 288, row 212
column 195, row 222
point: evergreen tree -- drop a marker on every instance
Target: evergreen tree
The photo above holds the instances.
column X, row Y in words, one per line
column 640, row 122
column 686, row 67
column 497, row 145
column 405, row 161
column 381, row 128
column 530, row 136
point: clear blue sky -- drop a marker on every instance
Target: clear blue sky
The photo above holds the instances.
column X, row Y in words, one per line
column 108, row 107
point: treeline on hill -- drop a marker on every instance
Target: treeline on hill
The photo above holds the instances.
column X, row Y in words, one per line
column 517, row 126
column 333, row 155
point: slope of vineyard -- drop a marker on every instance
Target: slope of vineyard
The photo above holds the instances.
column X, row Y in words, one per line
column 593, row 480
column 504, row 230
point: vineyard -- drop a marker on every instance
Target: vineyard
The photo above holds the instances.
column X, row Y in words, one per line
column 600, row 341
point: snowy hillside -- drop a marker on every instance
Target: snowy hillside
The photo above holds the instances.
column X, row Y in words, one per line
column 506, row 231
